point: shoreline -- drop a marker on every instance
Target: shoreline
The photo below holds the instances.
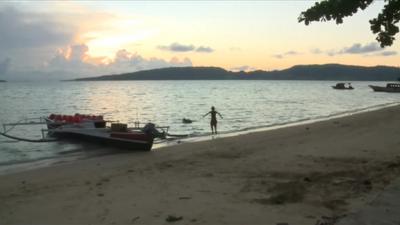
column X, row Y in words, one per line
column 9, row 168
column 209, row 136
column 294, row 175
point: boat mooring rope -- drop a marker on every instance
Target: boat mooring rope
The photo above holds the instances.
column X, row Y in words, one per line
column 27, row 140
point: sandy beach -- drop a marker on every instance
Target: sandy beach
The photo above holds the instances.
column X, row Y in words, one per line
column 296, row 175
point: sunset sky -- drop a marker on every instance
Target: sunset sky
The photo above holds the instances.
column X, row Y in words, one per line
column 87, row 38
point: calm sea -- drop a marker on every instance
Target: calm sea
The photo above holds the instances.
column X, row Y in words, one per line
column 244, row 105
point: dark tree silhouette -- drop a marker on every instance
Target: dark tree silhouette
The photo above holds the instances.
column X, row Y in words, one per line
column 384, row 25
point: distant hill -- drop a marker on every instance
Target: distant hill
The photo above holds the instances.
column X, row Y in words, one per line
column 171, row 73
column 3, row 81
column 300, row 72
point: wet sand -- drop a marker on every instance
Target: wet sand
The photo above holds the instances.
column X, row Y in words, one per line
column 296, row 175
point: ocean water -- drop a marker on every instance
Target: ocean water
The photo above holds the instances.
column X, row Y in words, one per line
column 245, row 105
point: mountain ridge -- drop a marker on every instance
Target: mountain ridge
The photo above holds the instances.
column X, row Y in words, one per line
column 298, row 72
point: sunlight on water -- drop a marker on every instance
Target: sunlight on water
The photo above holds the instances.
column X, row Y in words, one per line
column 244, row 105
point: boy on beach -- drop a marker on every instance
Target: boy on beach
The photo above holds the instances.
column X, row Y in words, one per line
column 213, row 122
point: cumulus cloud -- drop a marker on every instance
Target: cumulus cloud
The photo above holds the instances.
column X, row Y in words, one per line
column 288, row 53
column 4, row 66
column 26, row 29
column 176, row 47
column 126, row 61
column 75, row 59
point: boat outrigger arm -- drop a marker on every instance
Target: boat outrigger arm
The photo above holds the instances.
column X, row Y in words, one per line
column 7, row 127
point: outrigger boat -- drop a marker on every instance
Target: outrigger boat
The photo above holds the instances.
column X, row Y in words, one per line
column 93, row 128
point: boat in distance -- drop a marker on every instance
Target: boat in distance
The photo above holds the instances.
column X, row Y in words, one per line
column 390, row 87
column 342, row 86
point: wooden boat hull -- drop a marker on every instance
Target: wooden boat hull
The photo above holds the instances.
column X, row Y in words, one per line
column 144, row 143
column 384, row 89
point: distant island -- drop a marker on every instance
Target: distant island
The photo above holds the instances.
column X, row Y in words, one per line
column 3, row 81
column 334, row 72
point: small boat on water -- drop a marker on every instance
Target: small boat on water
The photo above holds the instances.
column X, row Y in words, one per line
column 342, row 86
column 93, row 129
column 390, row 87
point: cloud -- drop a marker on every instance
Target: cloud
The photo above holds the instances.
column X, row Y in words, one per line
column 26, row 30
column 356, row 48
column 291, row 53
column 176, row 47
column 4, row 66
column 278, row 56
column 388, row 53
column 316, row 51
column 126, row 61
column 76, row 60
column 204, row 49
column 360, row 49
column 288, row 53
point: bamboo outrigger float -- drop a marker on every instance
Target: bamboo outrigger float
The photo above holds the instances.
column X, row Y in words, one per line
column 7, row 127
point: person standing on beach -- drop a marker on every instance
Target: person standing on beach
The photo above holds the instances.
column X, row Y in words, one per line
column 213, row 122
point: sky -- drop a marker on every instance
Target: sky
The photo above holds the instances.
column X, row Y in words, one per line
column 68, row 39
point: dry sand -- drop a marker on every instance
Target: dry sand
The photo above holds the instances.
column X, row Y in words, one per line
column 294, row 175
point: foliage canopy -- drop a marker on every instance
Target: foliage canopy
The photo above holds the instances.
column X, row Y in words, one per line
column 384, row 25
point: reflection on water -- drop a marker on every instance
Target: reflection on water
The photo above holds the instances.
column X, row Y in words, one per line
column 244, row 105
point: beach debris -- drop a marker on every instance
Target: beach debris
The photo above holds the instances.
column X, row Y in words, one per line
column 208, row 174
column 326, row 220
column 393, row 165
column 288, row 192
column 184, row 120
column 172, row 218
column 307, row 179
column 367, row 182
column 134, row 219
column 184, row 198
column 100, row 194
column 262, row 201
